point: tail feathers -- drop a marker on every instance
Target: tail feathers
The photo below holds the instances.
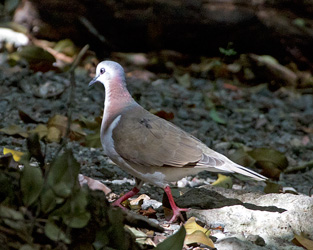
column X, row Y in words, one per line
column 247, row 172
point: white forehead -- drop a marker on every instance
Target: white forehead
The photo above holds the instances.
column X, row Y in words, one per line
column 111, row 67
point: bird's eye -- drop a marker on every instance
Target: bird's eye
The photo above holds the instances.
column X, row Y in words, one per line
column 102, row 70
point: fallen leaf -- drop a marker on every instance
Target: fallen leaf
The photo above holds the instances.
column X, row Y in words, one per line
column 16, row 154
column 303, row 242
column 93, row 184
column 54, row 134
column 66, row 47
column 150, row 212
column 192, row 226
column 223, row 181
column 37, row 58
column 76, row 132
column 59, row 122
column 139, row 235
column 41, row 130
column 15, row 130
column 241, row 157
column 271, row 161
column 26, row 118
column 200, row 238
column 216, row 117
column 7, row 161
column 93, row 140
column 140, row 198
column 90, row 124
column 272, row 187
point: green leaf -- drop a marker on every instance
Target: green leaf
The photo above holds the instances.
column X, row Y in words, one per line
column 73, row 212
column 215, row 117
column 64, row 172
column 13, row 218
column 77, row 215
column 48, row 200
column 174, row 242
column 31, row 184
column 77, row 220
column 62, row 190
column 53, row 232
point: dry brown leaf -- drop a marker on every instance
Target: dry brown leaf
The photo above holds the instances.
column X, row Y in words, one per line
column 150, row 212
column 41, row 130
column 59, row 122
column 163, row 114
column 15, row 130
column 76, row 132
column 54, row 134
column 303, row 242
column 26, row 117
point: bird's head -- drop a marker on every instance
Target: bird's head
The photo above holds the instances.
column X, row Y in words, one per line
column 106, row 72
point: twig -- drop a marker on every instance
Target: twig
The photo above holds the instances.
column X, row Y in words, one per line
column 71, row 97
column 308, row 165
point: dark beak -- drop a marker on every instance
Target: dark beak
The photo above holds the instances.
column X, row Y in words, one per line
column 93, row 81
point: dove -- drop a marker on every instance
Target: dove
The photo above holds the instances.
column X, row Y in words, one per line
column 148, row 147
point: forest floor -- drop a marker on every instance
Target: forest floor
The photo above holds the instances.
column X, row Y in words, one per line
column 223, row 112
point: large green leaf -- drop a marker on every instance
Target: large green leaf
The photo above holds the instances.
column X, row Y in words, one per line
column 174, row 242
column 63, row 174
column 62, row 180
column 31, row 184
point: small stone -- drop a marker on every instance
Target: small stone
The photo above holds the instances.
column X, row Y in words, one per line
column 256, row 239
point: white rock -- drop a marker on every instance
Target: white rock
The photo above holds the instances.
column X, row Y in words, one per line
column 276, row 228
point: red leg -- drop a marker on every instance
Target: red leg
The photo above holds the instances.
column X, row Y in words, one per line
column 176, row 210
column 129, row 194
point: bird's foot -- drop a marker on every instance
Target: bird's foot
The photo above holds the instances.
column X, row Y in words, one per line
column 176, row 210
column 177, row 214
column 131, row 193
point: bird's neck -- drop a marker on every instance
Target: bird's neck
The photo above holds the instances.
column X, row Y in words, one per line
column 117, row 98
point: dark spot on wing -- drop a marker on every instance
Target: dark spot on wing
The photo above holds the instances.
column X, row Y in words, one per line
column 146, row 123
